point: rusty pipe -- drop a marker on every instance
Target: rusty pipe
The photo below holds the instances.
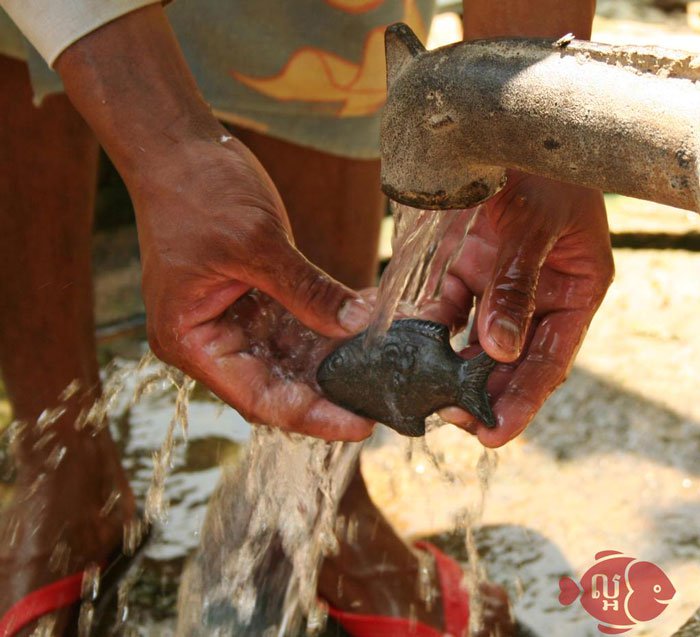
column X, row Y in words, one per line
column 622, row 119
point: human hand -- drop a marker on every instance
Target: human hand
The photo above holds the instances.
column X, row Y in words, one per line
column 211, row 227
column 538, row 262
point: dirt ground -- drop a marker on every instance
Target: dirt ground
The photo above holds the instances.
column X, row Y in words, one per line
column 611, row 462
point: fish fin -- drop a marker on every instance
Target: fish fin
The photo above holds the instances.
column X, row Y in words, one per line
column 570, row 591
column 602, row 554
column 412, row 427
column 474, row 373
column 611, row 630
column 402, row 46
column 431, row 329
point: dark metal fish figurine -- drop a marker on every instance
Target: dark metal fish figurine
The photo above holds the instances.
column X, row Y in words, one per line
column 406, row 375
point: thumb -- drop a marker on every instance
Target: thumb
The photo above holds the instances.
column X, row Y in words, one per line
column 315, row 298
column 508, row 303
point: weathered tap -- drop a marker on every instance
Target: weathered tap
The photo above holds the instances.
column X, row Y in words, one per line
column 622, row 119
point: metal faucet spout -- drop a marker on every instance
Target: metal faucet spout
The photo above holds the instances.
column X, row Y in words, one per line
column 622, row 119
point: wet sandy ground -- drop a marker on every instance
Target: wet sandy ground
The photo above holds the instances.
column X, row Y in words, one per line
column 611, row 462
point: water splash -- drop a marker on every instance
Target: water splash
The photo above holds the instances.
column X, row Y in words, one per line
column 423, row 467
column 256, row 571
column 475, row 573
column 262, row 545
column 125, row 384
column 415, row 272
column 156, row 505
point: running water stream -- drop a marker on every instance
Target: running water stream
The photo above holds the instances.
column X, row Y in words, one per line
column 273, row 516
column 272, row 519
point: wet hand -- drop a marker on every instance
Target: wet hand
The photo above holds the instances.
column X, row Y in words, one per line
column 211, row 224
column 211, row 227
column 537, row 262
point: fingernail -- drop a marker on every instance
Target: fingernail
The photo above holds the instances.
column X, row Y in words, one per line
column 353, row 315
column 505, row 334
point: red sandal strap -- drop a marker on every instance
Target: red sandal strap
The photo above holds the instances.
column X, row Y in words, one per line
column 455, row 600
column 52, row 597
column 381, row 626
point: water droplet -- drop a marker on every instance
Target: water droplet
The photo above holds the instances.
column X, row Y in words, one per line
column 49, row 416
column 90, row 586
column 427, row 591
column 317, row 619
column 55, row 458
column 85, row 619
column 58, row 561
column 339, row 589
column 352, row 528
column 412, row 618
column 71, row 389
column 110, row 503
column 134, row 531
column 123, row 590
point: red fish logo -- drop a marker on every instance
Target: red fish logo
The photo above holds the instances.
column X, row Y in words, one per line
column 619, row 591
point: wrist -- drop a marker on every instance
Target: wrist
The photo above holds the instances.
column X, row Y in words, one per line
column 130, row 82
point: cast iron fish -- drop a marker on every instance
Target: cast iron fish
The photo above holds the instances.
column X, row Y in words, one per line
column 408, row 374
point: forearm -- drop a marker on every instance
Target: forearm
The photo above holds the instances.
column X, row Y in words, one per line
column 130, row 82
column 527, row 18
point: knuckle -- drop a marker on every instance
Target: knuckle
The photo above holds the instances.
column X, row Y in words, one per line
column 604, row 277
column 516, row 297
column 609, row 271
column 154, row 342
column 315, row 289
column 162, row 340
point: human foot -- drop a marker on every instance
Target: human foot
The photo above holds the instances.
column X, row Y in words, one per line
column 70, row 502
column 496, row 618
column 376, row 574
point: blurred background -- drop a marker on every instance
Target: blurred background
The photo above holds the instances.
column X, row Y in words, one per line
column 611, row 462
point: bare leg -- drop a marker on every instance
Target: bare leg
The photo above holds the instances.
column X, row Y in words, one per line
column 48, row 162
column 335, row 206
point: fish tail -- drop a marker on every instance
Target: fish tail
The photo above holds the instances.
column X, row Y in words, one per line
column 569, row 591
column 472, row 393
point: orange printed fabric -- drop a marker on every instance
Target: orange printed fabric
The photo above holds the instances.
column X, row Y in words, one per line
column 308, row 71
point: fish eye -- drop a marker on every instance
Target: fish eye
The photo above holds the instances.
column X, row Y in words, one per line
column 657, row 588
column 391, row 352
column 335, row 362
